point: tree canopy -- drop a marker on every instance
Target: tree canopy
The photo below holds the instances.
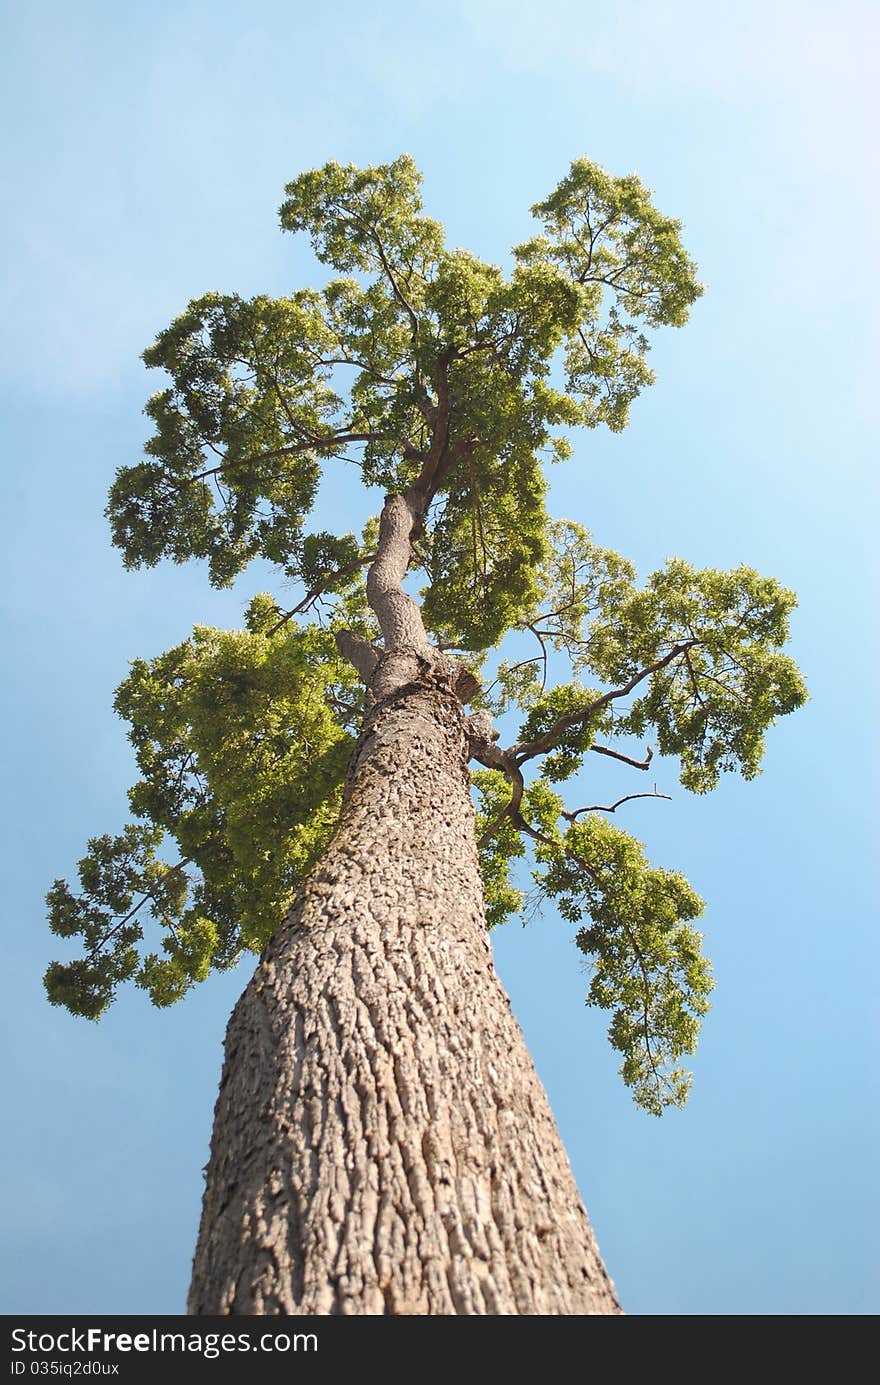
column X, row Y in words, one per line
column 441, row 377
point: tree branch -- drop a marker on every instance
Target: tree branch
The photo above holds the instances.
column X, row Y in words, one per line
column 360, row 653
column 319, row 590
column 395, row 287
column 145, row 898
column 612, row 807
column 357, row 364
column 538, row 634
column 314, row 444
column 695, row 687
column 522, row 663
column 527, row 749
column 398, row 614
column 422, row 490
column 537, row 835
column 625, row 759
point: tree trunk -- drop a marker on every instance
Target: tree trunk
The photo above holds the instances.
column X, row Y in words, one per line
column 382, row 1144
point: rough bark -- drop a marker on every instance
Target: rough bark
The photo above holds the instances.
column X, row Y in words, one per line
column 382, row 1144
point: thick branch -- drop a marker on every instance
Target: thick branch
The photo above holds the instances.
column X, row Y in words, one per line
column 511, row 808
column 440, row 457
column 399, row 617
column 625, row 759
column 408, row 654
column 482, row 747
column 360, row 653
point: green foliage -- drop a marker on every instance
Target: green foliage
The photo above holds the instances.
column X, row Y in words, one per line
column 727, row 681
column 628, row 263
column 647, row 964
column 571, row 742
column 114, row 873
column 579, row 581
column 648, row 969
column 485, row 552
column 259, row 394
column 233, row 465
column 437, row 374
column 364, row 219
column 500, row 848
column 694, row 656
column 242, row 739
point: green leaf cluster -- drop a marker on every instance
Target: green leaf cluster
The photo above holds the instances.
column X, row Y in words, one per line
column 500, row 848
column 414, row 350
column 727, row 680
column 565, row 702
column 647, row 963
column 693, row 657
column 242, row 739
column 233, row 466
column 630, row 268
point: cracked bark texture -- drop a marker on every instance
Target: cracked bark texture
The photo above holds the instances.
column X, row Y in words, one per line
column 382, row 1144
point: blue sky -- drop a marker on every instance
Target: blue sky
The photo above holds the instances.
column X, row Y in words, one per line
column 147, row 149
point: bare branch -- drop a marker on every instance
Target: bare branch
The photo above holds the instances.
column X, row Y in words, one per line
column 358, row 365
column 540, row 638
column 612, row 807
column 625, row 759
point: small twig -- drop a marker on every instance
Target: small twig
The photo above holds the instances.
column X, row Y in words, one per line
column 536, row 659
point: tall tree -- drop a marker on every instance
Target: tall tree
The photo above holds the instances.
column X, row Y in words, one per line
column 381, row 1141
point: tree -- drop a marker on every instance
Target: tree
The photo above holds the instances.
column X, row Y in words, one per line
column 381, row 1141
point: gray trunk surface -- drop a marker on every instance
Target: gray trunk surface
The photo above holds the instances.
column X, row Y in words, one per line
column 382, row 1144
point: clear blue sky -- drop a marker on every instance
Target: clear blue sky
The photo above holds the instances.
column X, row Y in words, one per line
column 147, row 149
